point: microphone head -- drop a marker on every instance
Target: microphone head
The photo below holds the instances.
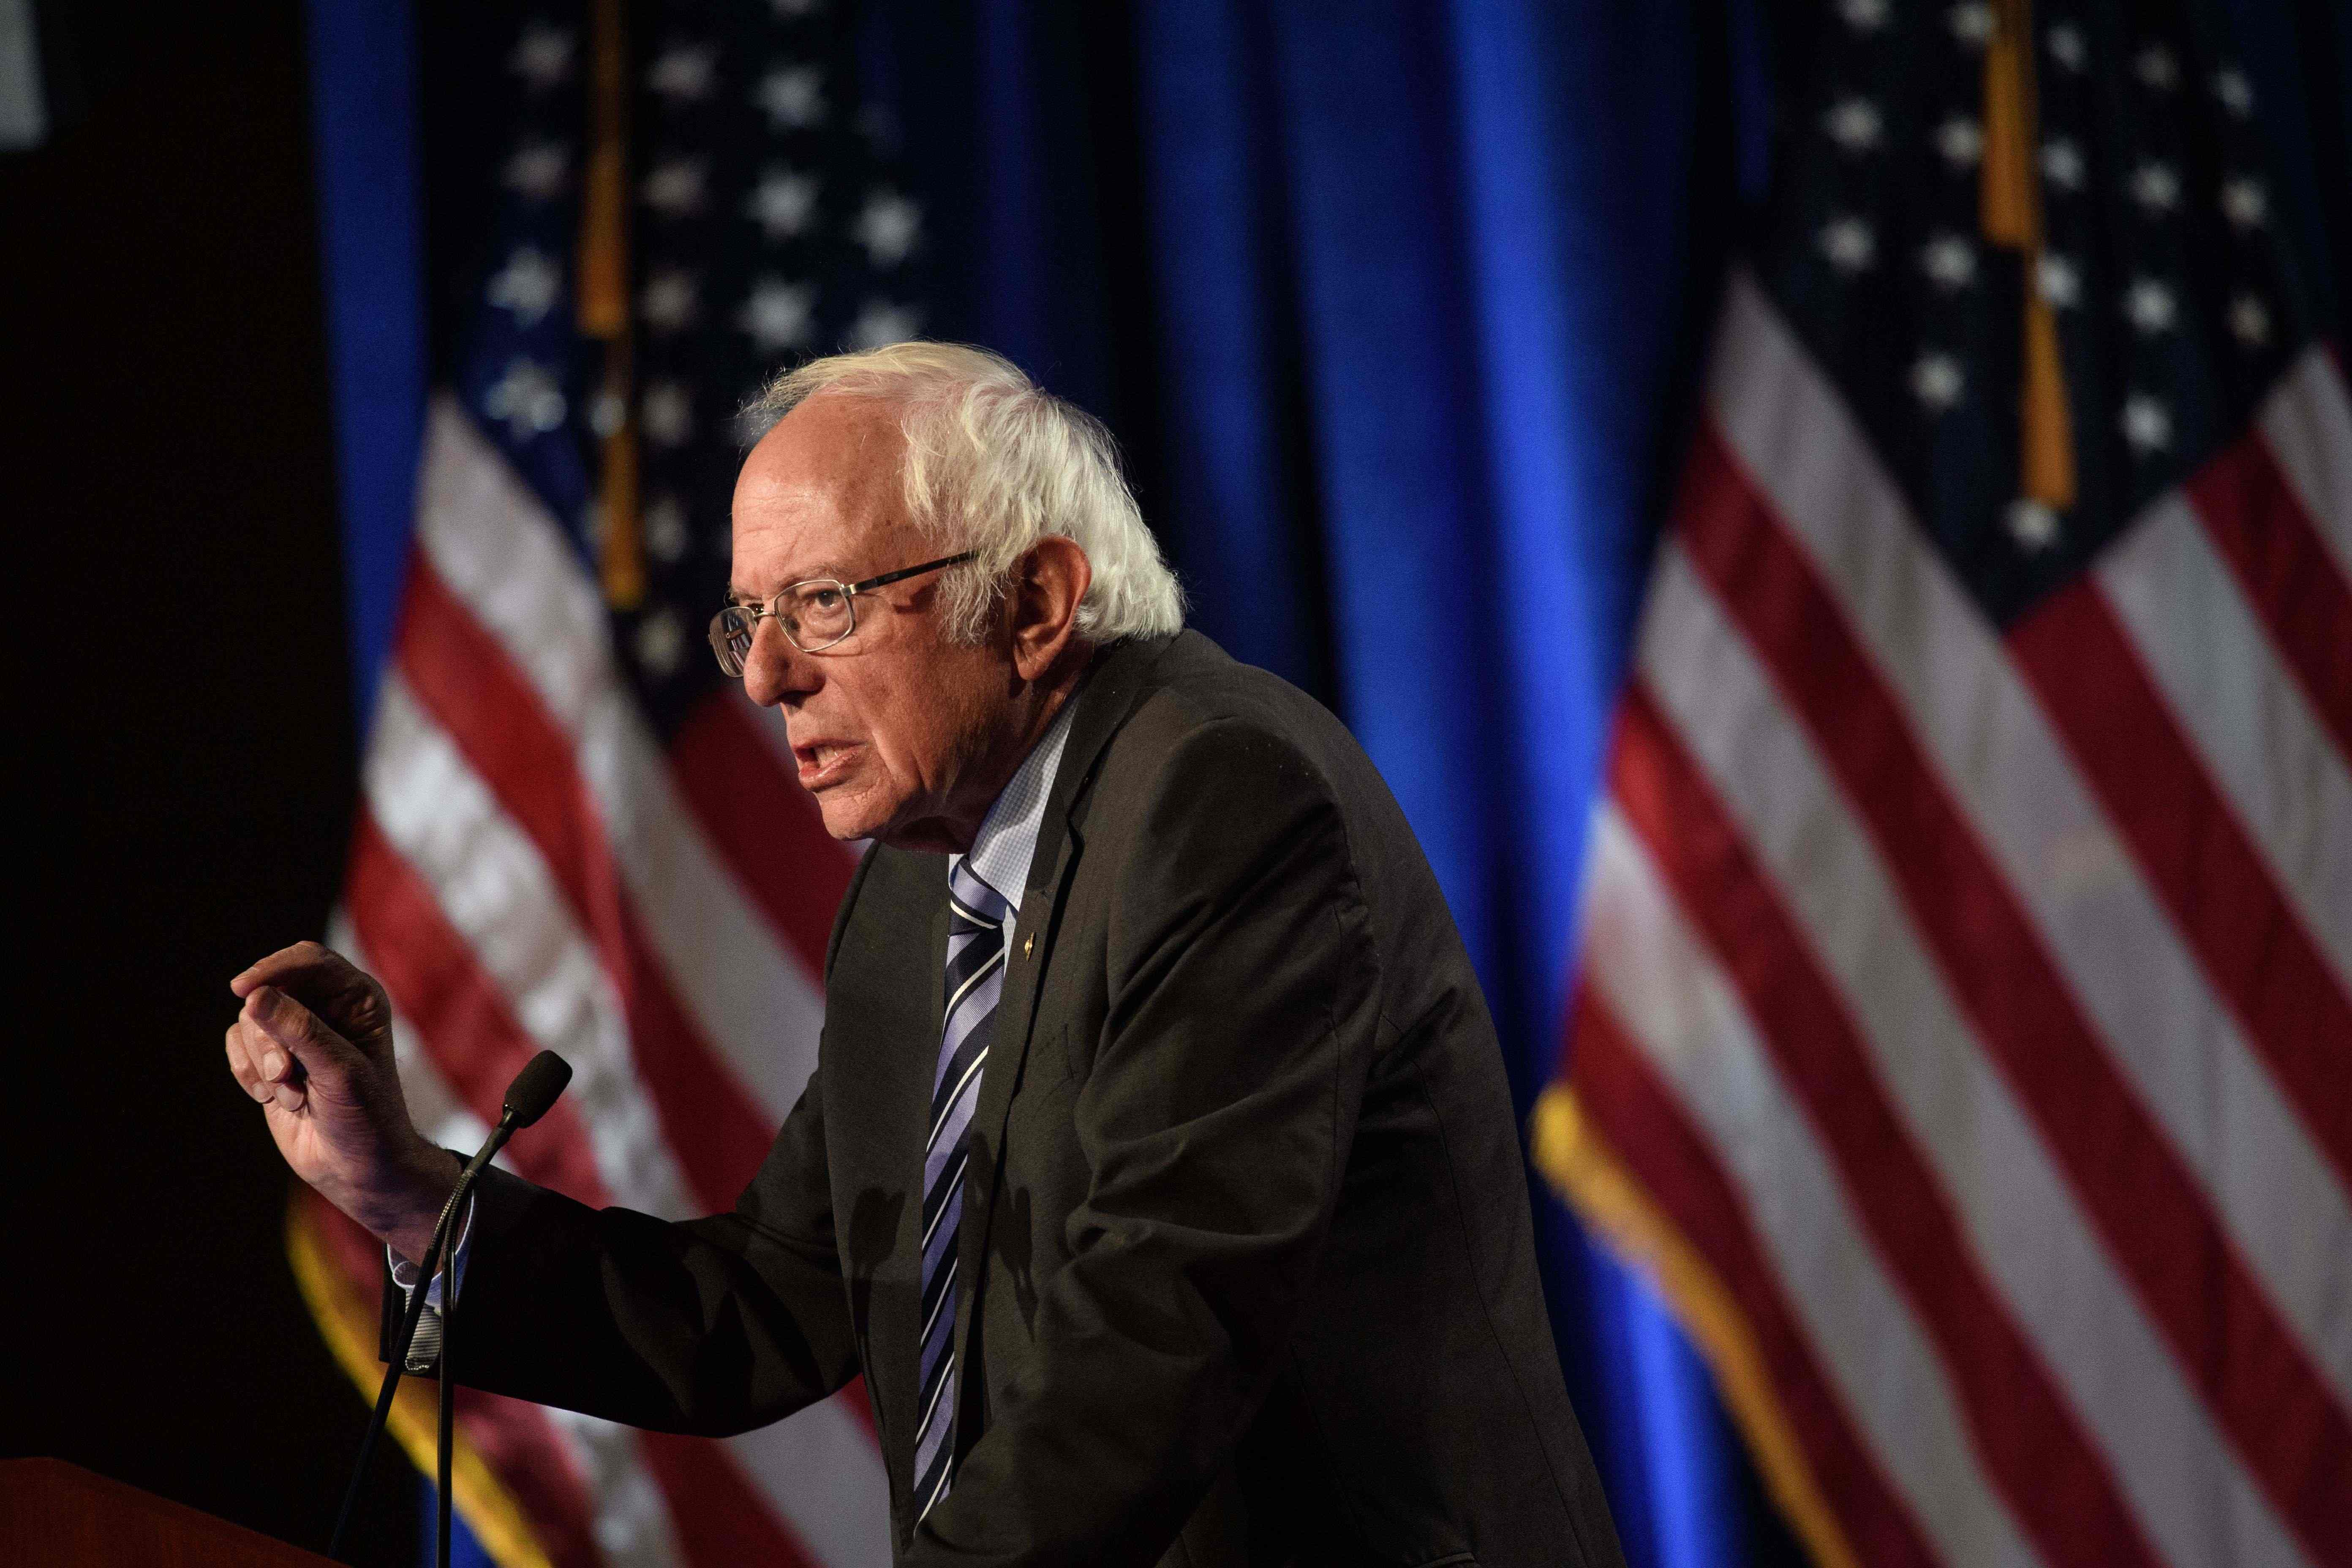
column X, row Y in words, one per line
column 536, row 1087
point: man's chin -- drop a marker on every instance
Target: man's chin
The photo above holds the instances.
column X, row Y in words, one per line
column 852, row 815
column 844, row 820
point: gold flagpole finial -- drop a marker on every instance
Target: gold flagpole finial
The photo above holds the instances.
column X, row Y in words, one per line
column 2010, row 208
column 604, row 308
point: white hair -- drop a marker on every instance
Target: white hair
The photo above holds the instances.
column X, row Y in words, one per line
column 994, row 463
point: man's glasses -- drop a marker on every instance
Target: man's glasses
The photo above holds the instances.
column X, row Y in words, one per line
column 815, row 614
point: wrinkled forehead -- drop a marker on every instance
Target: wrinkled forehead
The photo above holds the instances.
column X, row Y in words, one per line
column 820, row 496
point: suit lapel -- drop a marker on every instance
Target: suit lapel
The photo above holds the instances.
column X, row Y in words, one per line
column 1109, row 695
column 1016, row 1014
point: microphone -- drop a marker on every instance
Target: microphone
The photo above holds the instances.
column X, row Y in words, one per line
column 528, row 1097
column 534, row 1088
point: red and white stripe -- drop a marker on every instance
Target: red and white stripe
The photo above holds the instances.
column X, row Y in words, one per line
column 532, row 871
column 1979, row 1003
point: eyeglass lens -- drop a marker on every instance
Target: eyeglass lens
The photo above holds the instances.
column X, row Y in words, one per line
column 814, row 615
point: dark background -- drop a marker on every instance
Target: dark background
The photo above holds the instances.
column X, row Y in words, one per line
column 174, row 607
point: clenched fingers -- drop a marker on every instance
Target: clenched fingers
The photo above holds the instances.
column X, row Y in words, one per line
column 292, row 1046
column 241, row 1065
column 263, row 1069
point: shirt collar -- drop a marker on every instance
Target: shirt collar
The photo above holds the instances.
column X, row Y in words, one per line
column 1007, row 839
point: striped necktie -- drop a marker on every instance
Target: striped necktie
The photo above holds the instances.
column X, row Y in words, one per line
column 975, row 979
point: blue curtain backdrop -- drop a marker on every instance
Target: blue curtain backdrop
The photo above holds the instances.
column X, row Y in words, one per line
column 1485, row 221
column 1396, row 307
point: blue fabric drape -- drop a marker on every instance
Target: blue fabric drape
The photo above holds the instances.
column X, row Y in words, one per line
column 1487, row 223
column 371, row 251
column 1218, row 249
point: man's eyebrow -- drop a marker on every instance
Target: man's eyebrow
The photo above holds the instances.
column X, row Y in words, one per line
column 827, row 571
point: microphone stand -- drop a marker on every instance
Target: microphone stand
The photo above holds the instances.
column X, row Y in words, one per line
column 534, row 1088
column 444, row 1423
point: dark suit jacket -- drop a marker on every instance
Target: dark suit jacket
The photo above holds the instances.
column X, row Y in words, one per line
column 1246, row 1272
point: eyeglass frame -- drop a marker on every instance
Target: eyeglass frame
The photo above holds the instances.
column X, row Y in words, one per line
column 765, row 609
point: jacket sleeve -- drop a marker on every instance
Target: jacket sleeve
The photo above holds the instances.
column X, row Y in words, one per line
column 712, row 1326
column 1216, row 1118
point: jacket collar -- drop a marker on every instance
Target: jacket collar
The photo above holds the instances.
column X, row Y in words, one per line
column 1120, row 674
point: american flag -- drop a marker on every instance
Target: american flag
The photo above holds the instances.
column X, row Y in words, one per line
column 573, row 832
column 1962, row 1039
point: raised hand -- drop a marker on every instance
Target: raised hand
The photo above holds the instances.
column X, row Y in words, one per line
column 314, row 1046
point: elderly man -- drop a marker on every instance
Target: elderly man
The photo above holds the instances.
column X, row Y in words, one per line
column 1158, row 1171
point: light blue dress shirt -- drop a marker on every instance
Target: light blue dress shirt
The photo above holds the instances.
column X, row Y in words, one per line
column 1007, row 840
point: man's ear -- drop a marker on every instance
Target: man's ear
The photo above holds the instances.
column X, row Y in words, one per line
column 1047, row 585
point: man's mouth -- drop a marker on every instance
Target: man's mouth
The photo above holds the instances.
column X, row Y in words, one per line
column 821, row 762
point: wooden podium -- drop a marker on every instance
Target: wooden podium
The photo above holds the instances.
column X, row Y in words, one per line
column 56, row 1515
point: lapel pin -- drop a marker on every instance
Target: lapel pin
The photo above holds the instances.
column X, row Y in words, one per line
column 1027, row 942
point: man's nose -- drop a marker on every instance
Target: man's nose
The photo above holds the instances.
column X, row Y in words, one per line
column 775, row 671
